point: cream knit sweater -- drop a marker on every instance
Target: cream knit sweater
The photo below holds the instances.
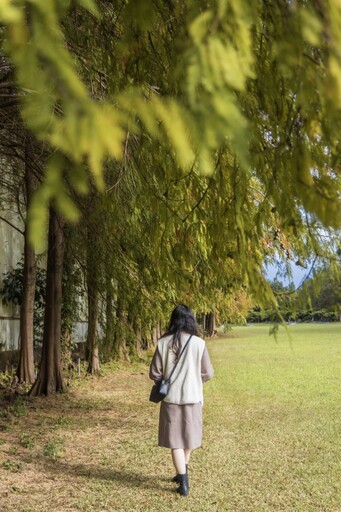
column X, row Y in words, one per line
column 186, row 382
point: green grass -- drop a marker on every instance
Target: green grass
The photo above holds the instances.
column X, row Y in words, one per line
column 273, row 419
column 271, row 435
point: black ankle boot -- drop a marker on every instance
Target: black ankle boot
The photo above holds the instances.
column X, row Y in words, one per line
column 176, row 477
column 183, row 487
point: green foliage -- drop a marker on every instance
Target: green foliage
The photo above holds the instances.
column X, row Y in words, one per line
column 19, row 407
column 237, row 74
column 26, row 440
column 318, row 299
column 5, row 380
column 62, row 421
column 13, row 466
column 11, row 412
column 51, row 449
column 320, row 296
column 212, row 127
column 12, row 287
column 218, row 62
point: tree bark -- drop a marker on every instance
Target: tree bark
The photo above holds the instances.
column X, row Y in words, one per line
column 93, row 302
column 50, row 379
column 92, row 339
column 109, row 318
column 159, row 329
column 203, row 325
column 121, row 349
column 210, row 324
column 138, row 336
column 25, row 370
column 154, row 335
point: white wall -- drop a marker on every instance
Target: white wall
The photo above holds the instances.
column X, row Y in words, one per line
column 11, row 250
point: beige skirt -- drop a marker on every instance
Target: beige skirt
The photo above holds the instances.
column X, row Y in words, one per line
column 180, row 426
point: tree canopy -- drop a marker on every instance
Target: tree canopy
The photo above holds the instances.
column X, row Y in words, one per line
column 259, row 79
column 192, row 141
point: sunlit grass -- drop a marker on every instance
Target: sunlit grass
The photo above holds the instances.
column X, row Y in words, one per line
column 274, row 409
column 271, row 435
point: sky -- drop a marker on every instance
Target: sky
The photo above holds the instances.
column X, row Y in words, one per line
column 299, row 273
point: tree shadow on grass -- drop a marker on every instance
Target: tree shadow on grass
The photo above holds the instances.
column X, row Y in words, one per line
column 125, row 478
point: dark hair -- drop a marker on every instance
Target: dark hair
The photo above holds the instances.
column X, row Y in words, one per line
column 182, row 320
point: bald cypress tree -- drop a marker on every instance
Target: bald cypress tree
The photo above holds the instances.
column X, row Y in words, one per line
column 219, row 122
column 50, row 379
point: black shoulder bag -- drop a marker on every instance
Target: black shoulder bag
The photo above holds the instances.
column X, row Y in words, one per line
column 161, row 388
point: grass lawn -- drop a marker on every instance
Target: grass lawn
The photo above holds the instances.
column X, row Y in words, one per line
column 272, row 428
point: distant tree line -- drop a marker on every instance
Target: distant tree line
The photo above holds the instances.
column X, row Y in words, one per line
column 318, row 299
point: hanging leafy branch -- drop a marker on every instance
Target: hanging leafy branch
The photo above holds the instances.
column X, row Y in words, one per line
column 220, row 58
column 156, row 91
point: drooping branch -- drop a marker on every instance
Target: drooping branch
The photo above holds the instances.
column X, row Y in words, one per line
column 12, row 225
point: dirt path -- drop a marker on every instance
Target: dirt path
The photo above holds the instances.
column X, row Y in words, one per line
column 91, row 449
column 77, row 451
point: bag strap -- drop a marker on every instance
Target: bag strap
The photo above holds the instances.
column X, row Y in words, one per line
column 182, row 351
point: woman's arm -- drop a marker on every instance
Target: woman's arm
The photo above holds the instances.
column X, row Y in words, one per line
column 207, row 371
column 155, row 370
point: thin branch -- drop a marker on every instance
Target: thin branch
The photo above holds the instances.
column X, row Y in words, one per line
column 205, row 192
column 306, row 277
column 12, row 225
column 12, row 103
column 8, row 85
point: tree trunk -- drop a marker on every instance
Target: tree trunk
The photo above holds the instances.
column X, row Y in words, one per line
column 154, row 335
column 93, row 300
column 121, row 348
column 144, row 336
column 210, row 324
column 159, row 332
column 50, row 379
column 109, row 318
column 203, row 325
column 69, row 302
column 92, row 339
column 138, row 336
column 25, row 370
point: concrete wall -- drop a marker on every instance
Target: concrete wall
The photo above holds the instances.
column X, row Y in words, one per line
column 11, row 250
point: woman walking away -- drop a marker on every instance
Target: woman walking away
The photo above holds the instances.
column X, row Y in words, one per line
column 180, row 423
